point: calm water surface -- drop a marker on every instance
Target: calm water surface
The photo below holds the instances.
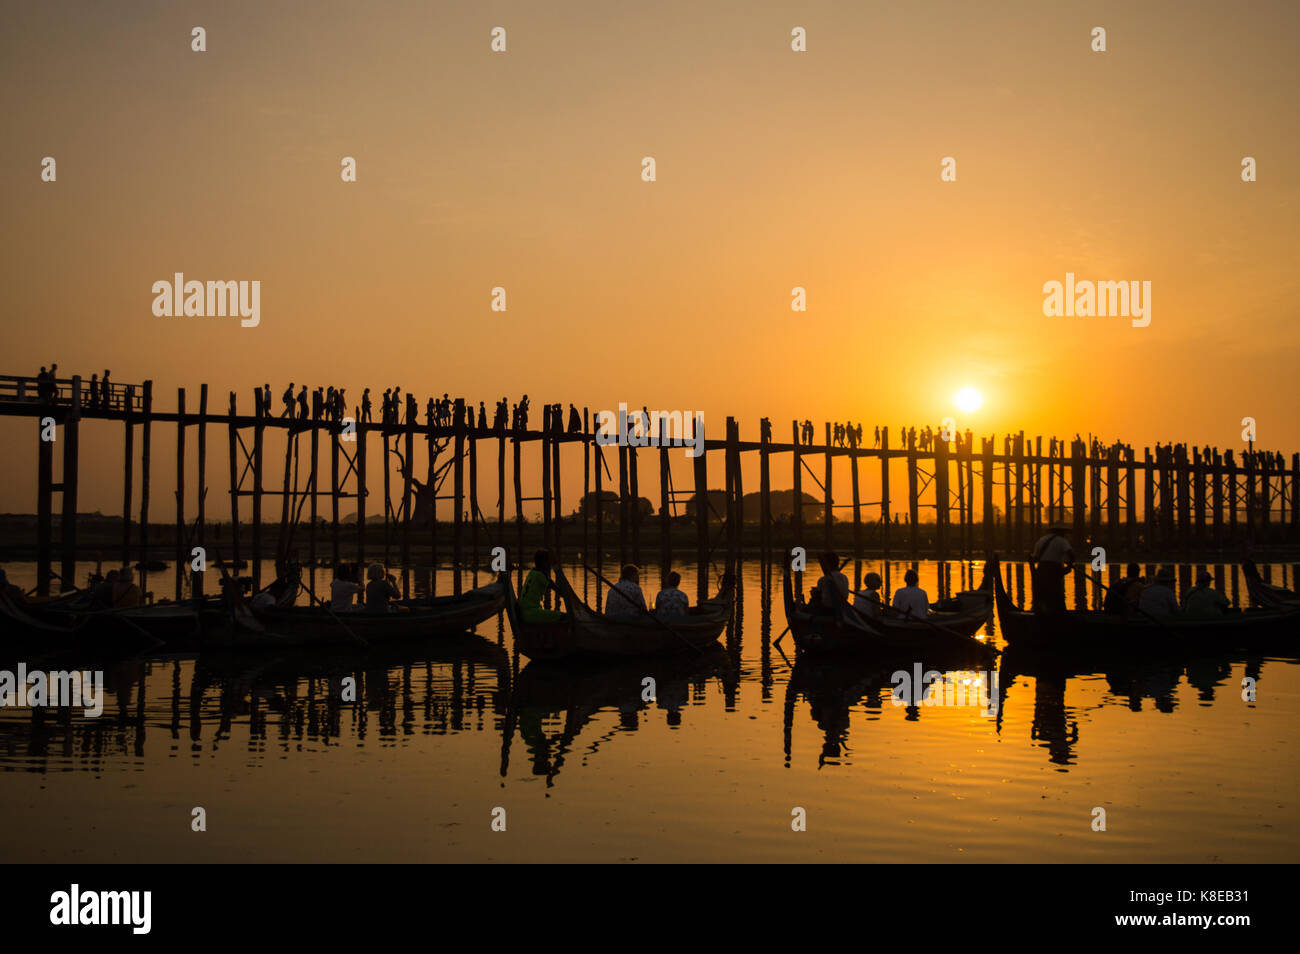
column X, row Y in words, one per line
column 712, row 770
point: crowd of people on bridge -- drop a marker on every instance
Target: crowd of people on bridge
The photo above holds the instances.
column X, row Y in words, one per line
column 398, row 410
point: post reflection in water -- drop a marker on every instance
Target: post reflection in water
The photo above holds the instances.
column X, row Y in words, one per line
column 694, row 735
column 294, row 696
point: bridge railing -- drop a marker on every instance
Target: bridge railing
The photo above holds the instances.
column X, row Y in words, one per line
column 102, row 397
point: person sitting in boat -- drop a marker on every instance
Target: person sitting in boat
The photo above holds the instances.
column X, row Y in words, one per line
column 101, row 594
column 344, row 588
column 910, row 600
column 536, row 584
column 125, row 593
column 1203, row 601
column 1158, row 599
column 380, row 590
column 626, row 598
column 867, row 601
column 832, row 590
column 1123, row 596
column 671, row 601
column 1051, row 562
column 13, row 593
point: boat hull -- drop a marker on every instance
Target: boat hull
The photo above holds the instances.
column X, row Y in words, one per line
column 319, row 626
column 1086, row 629
column 854, row 633
column 586, row 634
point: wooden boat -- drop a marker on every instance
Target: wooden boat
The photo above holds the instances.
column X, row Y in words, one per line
column 584, row 632
column 1089, row 629
column 70, row 621
column 282, row 627
column 952, row 624
column 1266, row 594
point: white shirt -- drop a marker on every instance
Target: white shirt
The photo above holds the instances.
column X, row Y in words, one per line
column 625, row 599
column 671, row 602
column 912, row 598
column 342, row 593
column 1053, row 548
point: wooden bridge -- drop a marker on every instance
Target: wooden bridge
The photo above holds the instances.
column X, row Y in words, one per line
column 1172, row 499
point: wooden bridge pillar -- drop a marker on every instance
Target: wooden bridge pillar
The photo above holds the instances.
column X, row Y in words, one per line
column 202, row 489
column 44, row 506
column 145, row 433
column 232, row 431
column 181, row 557
column 796, row 511
column 363, row 430
column 1079, row 487
column 986, row 455
column 701, row 466
column 68, row 527
column 765, row 491
column 665, row 512
column 623, row 504
column 913, row 503
column 828, row 514
column 458, row 476
column 857, row 503
column 556, row 513
column 884, row 491
column 942, row 494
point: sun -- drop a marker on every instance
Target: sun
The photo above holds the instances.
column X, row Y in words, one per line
column 968, row 400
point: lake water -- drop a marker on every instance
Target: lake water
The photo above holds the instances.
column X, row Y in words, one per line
column 715, row 769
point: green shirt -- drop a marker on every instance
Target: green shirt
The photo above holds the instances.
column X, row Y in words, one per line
column 530, row 599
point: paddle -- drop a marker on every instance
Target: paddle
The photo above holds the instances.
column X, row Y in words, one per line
column 642, row 609
column 361, row 641
column 1107, row 589
column 144, row 632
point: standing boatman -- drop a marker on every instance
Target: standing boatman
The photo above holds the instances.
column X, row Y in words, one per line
column 1053, row 556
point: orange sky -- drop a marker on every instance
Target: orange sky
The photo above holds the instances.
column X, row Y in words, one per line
column 775, row 169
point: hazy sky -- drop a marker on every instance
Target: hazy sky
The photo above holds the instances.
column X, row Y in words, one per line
column 775, row 169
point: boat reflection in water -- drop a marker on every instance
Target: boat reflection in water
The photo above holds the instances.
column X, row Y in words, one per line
column 552, row 695
column 1131, row 680
column 834, row 685
column 324, row 695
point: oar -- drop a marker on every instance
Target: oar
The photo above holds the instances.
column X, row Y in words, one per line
column 154, row 640
column 1106, row 589
column 642, row 609
column 361, row 641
